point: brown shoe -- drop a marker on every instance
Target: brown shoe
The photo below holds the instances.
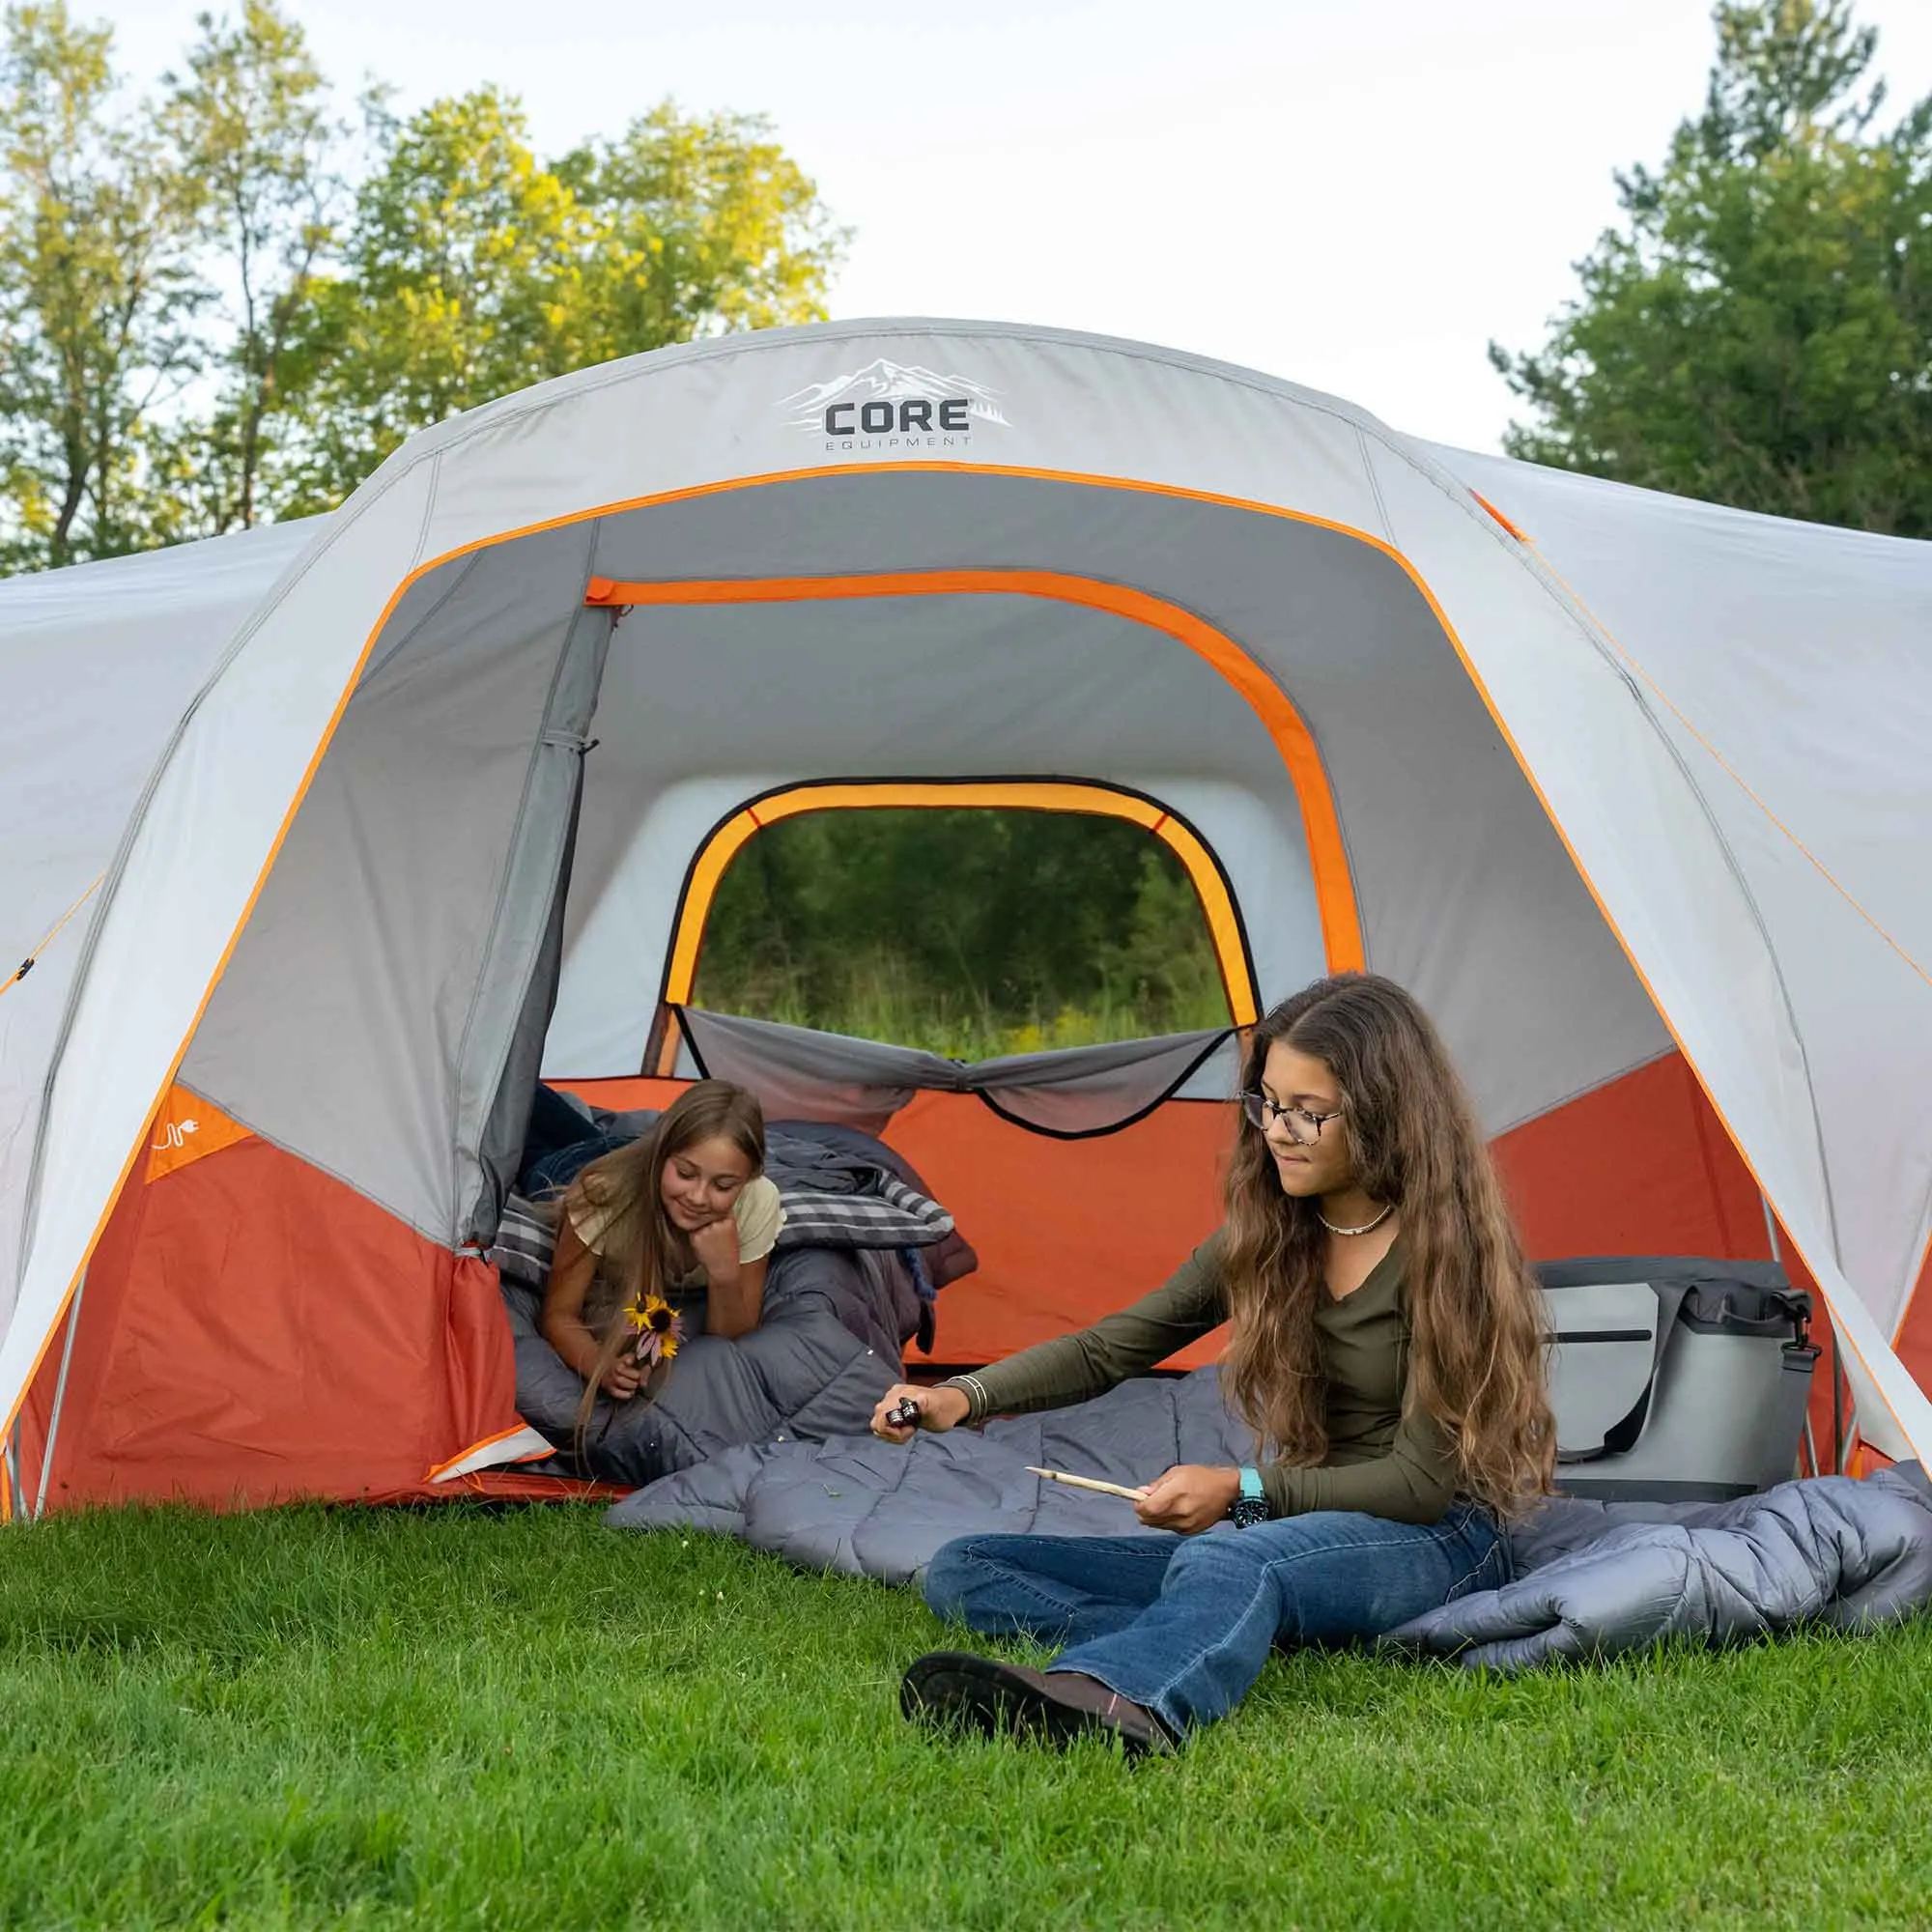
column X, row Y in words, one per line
column 1051, row 1707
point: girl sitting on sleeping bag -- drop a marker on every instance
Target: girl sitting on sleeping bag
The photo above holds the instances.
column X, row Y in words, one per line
column 1386, row 1345
column 685, row 1216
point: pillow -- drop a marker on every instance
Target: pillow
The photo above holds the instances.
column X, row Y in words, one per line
column 525, row 1239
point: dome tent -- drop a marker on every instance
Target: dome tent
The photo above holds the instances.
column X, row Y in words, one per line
column 1637, row 835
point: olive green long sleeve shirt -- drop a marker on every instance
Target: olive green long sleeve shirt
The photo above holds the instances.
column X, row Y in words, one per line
column 1380, row 1462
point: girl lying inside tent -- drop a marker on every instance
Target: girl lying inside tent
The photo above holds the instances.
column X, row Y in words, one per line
column 674, row 1229
column 666, row 1302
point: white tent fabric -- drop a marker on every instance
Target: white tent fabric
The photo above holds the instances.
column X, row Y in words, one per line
column 1782, row 948
column 99, row 665
column 1787, row 666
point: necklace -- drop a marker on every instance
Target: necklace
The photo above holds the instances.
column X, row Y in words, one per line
column 1367, row 1227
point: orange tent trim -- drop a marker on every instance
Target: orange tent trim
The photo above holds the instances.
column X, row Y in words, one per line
column 1328, row 857
column 714, row 857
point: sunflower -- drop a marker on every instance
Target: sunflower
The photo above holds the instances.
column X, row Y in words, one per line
column 657, row 1325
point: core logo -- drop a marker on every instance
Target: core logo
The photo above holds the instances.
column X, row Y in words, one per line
column 889, row 405
column 174, row 1135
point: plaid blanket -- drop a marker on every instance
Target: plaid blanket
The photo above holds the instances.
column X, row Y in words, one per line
column 895, row 1216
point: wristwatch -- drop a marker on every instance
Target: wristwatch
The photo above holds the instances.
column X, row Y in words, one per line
column 1250, row 1506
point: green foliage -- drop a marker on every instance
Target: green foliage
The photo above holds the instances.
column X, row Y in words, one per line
column 462, row 280
column 97, row 291
column 473, row 269
column 1759, row 332
column 969, row 932
column 704, row 226
column 206, row 322
column 253, row 131
column 440, row 1718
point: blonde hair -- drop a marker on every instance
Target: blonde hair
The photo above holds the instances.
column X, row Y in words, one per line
column 623, row 1189
column 1474, row 1317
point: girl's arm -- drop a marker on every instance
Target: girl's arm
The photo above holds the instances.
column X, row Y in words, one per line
column 1071, row 1368
column 734, row 1289
column 571, row 1268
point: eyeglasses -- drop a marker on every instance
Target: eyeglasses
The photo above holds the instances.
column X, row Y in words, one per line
column 1304, row 1128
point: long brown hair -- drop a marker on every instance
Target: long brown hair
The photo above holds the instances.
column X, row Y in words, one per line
column 1474, row 1317
column 638, row 1241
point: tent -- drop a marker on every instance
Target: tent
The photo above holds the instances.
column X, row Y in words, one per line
column 325, row 840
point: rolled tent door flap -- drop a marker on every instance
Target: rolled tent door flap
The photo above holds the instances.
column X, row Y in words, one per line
column 1070, row 1093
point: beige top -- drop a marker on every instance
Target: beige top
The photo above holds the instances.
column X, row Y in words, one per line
column 758, row 1211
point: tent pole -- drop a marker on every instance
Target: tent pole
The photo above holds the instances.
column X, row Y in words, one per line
column 1844, row 1417
column 1809, row 1447
column 1837, row 1413
column 60, row 1397
column 10, row 1474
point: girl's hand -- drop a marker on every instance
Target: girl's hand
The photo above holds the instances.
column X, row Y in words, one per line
column 622, row 1380
column 716, row 1245
column 939, row 1409
column 1190, row 1497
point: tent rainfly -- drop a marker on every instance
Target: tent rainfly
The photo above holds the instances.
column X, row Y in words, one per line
column 325, row 840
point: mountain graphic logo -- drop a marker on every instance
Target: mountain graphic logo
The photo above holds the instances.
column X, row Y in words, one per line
column 892, row 399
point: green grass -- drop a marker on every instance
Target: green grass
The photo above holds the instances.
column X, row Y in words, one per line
column 876, row 995
column 452, row 1718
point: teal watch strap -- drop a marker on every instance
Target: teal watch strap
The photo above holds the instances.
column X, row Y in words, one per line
column 1250, row 1506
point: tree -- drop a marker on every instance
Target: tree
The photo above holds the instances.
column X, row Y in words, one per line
column 708, row 226
column 460, row 280
column 252, row 122
column 203, row 323
column 97, row 293
column 471, row 270
column 1759, row 330
column 964, row 930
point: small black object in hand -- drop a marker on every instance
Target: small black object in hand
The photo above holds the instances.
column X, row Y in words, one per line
column 904, row 1415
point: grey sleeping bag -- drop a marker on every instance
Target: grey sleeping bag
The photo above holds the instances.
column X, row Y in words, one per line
column 806, row 1370
column 1598, row 1580
column 863, row 1251
column 1592, row 1579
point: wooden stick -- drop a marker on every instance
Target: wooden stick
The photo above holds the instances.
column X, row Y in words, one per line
column 1087, row 1483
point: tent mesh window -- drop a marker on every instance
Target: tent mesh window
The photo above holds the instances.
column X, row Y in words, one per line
column 969, row 932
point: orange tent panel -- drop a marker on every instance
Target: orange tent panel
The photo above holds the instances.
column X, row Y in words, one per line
column 253, row 1330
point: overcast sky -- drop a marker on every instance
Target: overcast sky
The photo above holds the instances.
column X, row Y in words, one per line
column 1355, row 196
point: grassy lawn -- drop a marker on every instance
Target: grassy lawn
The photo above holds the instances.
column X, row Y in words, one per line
column 456, row 1718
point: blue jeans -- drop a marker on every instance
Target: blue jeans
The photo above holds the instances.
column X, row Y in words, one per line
column 1183, row 1624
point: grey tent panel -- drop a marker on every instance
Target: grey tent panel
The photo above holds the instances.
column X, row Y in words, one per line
column 381, row 928
column 1530, row 989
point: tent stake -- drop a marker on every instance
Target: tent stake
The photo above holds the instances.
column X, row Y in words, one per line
column 60, row 1397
